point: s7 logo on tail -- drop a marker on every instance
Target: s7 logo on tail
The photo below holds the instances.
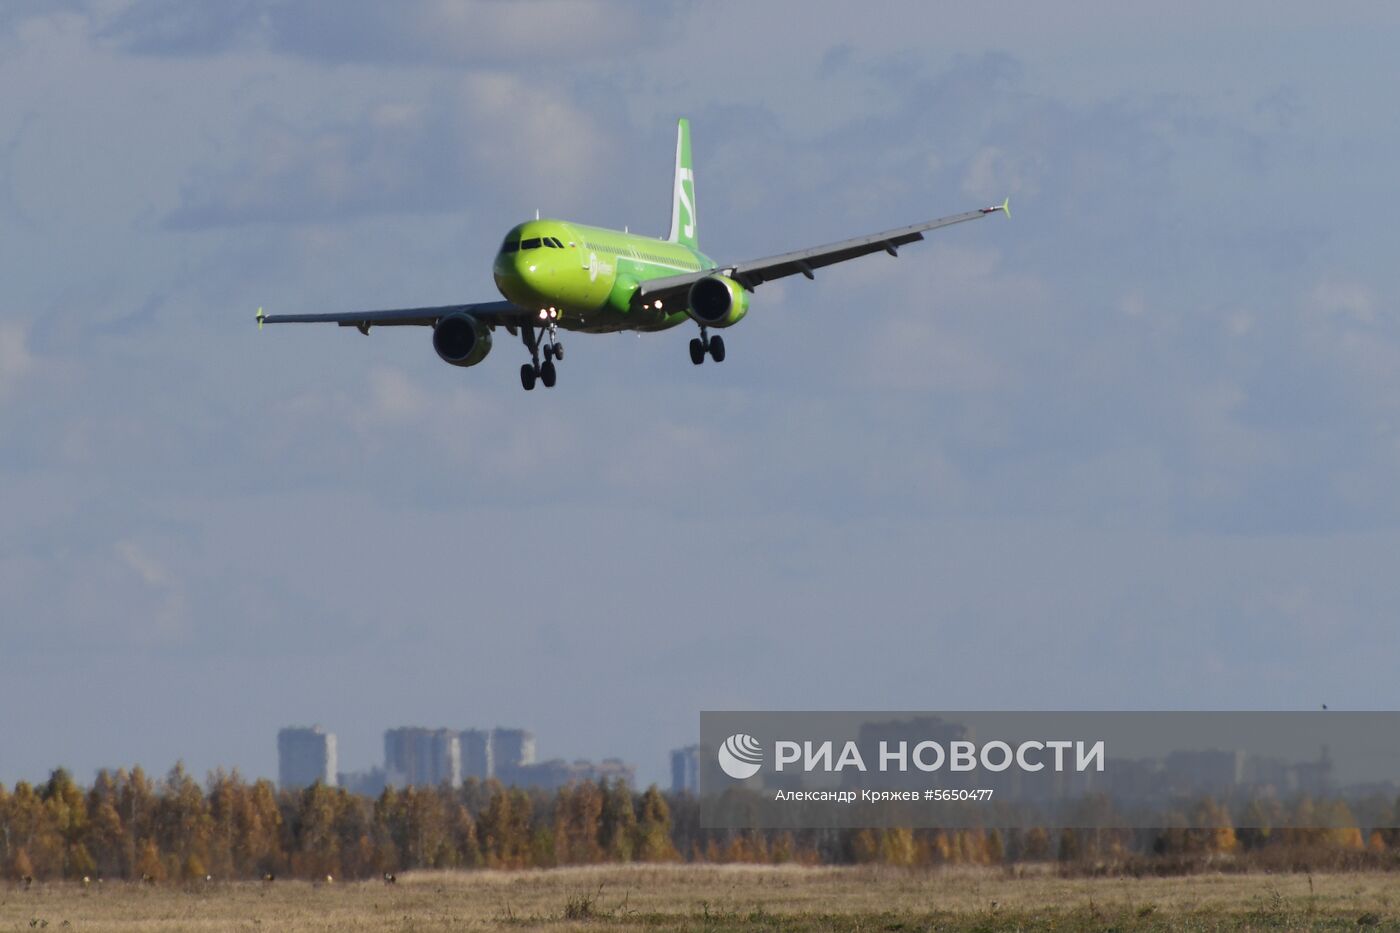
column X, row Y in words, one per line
column 685, row 184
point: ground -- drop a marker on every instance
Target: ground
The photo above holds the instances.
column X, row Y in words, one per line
column 718, row 898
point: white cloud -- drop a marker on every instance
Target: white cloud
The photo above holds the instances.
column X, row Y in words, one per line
column 393, row 397
column 1349, row 298
column 994, row 174
column 444, row 147
column 409, row 33
column 151, row 571
column 523, row 133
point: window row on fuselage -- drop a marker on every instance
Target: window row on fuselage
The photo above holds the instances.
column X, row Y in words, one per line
column 641, row 254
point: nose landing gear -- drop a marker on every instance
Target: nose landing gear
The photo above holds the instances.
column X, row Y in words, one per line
column 703, row 344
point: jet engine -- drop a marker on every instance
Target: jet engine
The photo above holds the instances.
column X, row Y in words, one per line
column 461, row 340
column 718, row 301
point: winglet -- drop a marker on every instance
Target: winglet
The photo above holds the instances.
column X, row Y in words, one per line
column 261, row 317
column 1004, row 207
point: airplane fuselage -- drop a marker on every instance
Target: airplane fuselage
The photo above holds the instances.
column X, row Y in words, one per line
column 587, row 276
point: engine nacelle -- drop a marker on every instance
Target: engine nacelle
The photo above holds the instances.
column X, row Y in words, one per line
column 718, row 301
column 461, row 340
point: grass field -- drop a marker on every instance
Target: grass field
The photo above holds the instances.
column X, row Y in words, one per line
column 724, row 898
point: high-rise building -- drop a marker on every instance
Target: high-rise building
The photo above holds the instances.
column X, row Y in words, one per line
column 511, row 748
column 444, row 756
column 417, row 756
column 476, row 754
column 685, row 770
column 305, row 756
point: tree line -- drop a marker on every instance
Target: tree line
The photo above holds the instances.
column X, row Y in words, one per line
column 127, row 825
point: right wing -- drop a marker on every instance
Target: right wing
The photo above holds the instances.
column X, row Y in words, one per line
column 493, row 313
column 754, row 272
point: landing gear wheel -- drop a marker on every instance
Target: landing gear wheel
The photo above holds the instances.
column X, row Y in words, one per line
column 547, row 374
column 527, row 376
column 697, row 351
column 717, row 348
column 558, row 351
column 548, row 352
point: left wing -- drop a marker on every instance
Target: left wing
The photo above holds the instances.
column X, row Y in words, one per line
column 754, row 272
column 492, row 313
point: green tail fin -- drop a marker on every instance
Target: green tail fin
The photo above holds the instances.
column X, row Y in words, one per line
column 683, row 196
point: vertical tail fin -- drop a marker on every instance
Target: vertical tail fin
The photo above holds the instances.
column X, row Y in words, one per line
column 683, row 196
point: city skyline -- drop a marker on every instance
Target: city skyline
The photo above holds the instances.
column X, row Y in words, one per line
column 427, row 756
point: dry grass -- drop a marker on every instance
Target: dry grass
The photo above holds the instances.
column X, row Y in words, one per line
column 723, row 898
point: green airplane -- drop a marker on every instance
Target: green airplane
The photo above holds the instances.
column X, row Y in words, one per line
column 555, row 274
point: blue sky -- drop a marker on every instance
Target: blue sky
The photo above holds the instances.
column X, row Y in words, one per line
column 1134, row 448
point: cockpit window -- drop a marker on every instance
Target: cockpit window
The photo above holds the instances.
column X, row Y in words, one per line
column 531, row 243
column 510, row 246
column 554, row 242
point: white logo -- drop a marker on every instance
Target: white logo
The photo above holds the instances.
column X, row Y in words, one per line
column 684, row 175
column 740, row 756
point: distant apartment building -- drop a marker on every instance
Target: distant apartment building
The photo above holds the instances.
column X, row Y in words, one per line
column 417, row 756
column 511, row 748
column 305, row 756
column 476, row 754
column 685, row 770
column 414, row 756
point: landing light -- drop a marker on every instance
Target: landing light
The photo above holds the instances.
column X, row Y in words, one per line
column 543, row 314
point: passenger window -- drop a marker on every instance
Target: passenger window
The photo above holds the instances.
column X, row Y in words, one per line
column 532, row 243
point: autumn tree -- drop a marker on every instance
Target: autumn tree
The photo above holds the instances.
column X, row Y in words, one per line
column 66, row 815
column 654, row 829
column 461, row 830
column 106, row 835
column 183, row 825
column 137, row 807
column 504, row 828
column 316, row 851
column 618, row 823
column 578, row 814
column 258, row 831
column 32, row 829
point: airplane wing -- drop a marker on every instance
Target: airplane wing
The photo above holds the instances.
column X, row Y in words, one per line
column 494, row 313
column 754, row 272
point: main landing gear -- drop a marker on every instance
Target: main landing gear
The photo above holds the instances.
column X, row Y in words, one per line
column 552, row 349
column 703, row 344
